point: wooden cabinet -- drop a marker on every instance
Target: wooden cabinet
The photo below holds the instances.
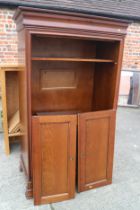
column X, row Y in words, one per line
column 54, row 157
column 10, row 104
column 95, row 149
column 72, row 66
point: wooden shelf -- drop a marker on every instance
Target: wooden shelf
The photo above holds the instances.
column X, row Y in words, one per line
column 73, row 59
column 57, row 113
column 11, row 67
column 15, row 134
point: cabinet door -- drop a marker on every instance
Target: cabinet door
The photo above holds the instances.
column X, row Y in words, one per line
column 95, row 149
column 53, row 149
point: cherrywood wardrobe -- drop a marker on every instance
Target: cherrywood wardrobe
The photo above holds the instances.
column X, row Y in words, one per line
column 68, row 99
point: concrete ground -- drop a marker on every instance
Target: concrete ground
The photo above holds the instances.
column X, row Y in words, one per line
column 123, row 194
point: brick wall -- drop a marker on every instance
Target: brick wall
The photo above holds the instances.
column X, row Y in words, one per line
column 131, row 58
column 8, row 42
column 8, row 37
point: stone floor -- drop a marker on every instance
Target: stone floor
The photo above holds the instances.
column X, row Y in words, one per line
column 123, row 194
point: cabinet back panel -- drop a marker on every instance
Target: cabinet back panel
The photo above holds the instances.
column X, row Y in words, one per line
column 58, row 79
column 62, row 86
column 107, row 50
column 62, row 47
column 12, row 91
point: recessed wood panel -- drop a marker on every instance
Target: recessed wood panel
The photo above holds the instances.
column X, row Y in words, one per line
column 54, row 147
column 54, row 158
column 95, row 146
column 57, row 79
column 62, row 86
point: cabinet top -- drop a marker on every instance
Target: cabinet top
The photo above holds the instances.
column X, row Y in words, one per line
column 69, row 22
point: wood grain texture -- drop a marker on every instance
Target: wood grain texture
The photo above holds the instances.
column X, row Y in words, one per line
column 24, row 114
column 74, row 24
column 16, row 134
column 10, row 98
column 95, row 149
column 12, row 92
column 54, row 148
column 65, row 79
column 14, row 123
column 23, row 118
column 51, row 48
column 63, row 92
column 104, row 91
column 5, row 114
column 74, row 60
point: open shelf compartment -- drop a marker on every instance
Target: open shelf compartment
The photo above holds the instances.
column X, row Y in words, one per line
column 73, row 75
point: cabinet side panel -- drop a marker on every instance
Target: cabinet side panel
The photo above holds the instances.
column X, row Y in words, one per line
column 106, row 77
column 23, row 102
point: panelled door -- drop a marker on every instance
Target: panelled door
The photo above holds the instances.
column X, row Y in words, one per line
column 54, row 157
column 95, row 149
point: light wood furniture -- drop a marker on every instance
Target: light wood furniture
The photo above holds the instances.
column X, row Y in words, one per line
column 69, row 93
column 10, row 100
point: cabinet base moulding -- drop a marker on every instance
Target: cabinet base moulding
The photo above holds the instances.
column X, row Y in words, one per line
column 95, row 185
column 29, row 190
column 29, row 186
